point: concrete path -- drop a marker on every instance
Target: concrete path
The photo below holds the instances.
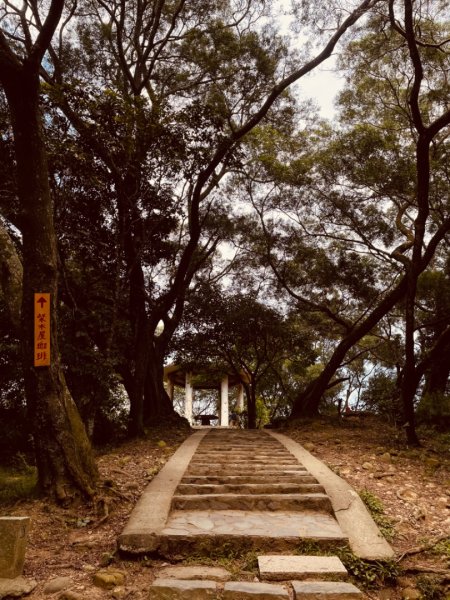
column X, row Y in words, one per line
column 231, row 491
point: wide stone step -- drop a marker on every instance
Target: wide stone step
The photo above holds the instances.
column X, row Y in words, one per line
column 326, row 590
column 258, row 454
column 182, row 589
column 270, row 502
column 301, row 478
column 283, row 568
column 202, row 531
column 250, row 459
column 242, row 470
column 250, row 488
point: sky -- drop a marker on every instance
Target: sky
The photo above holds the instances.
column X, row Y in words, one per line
column 322, row 86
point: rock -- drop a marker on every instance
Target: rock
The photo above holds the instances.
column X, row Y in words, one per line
column 108, row 579
column 17, row 587
column 309, row 446
column 406, row 494
column 57, row 585
column 411, row 594
column 443, row 502
column 119, row 592
column 420, row 513
column 132, row 486
column 368, row 466
column 85, row 541
column 106, row 559
column 194, row 572
column 71, row 595
column 88, row 568
column 386, row 457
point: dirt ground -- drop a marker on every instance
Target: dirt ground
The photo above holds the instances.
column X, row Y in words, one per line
column 413, row 486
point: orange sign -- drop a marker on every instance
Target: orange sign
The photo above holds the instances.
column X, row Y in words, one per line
column 42, row 330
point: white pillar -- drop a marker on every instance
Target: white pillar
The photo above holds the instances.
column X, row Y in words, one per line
column 240, row 398
column 170, row 389
column 188, row 397
column 224, row 402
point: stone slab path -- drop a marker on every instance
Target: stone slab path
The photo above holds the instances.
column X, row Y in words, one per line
column 231, row 491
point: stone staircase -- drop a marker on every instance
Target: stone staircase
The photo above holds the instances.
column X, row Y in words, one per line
column 242, row 490
column 238, row 491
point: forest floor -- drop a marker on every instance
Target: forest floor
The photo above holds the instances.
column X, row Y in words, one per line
column 409, row 490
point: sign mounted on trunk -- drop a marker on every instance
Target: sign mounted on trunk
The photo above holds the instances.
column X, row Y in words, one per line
column 42, row 330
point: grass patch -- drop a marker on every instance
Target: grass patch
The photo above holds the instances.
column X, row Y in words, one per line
column 376, row 509
column 17, row 485
column 369, row 573
column 430, row 588
column 442, row 548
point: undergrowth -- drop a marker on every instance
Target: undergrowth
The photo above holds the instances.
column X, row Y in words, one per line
column 430, row 588
column 376, row 509
column 17, row 485
column 369, row 573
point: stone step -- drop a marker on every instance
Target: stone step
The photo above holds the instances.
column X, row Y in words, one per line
column 261, row 502
column 182, row 589
column 234, row 469
column 326, row 590
column 203, row 531
column 285, row 567
column 252, row 590
column 250, row 488
column 207, row 459
column 249, row 464
column 276, row 478
column 260, row 454
column 227, row 448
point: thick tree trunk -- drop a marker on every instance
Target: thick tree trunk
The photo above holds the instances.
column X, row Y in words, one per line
column 409, row 380
column 131, row 230
column 11, row 277
column 158, row 407
column 63, row 453
column 437, row 375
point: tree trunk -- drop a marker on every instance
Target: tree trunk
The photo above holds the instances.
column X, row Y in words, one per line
column 437, row 375
column 158, row 407
column 131, row 231
column 63, row 453
column 11, row 277
column 251, row 404
column 409, row 379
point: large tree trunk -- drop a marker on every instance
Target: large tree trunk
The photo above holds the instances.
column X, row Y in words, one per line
column 437, row 375
column 131, row 229
column 63, row 453
column 158, row 407
column 11, row 277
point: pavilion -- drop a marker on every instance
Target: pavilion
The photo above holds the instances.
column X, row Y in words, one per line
column 205, row 379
